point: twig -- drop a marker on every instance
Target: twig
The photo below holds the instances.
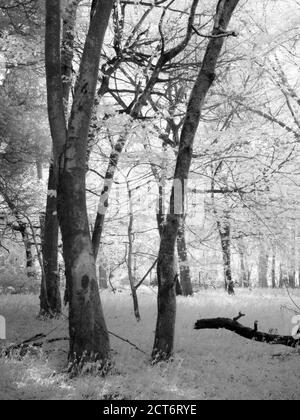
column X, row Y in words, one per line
column 240, row 315
column 128, row 342
column 146, row 275
column 221, row 35
column 290, row 309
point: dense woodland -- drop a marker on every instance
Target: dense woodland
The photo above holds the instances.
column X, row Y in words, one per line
column 147, row 143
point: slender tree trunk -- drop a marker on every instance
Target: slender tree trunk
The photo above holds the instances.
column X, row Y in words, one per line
column 244, row 276
column 263, row 263
column 292, row 257
column 166, row 272
column 281, row 277
column 103, row 203
column 28, row 249
column 89, row 340
column 224, row 231
column 39, row 170
column 185, row 274
column 274, row 271
column 103, row 277
column 130, row 257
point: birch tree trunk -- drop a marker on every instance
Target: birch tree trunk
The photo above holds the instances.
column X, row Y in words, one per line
column 225, row 236
column 165, row 327
column 89, row 339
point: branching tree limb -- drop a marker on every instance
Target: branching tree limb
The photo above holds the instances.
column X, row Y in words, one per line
column 249, row 333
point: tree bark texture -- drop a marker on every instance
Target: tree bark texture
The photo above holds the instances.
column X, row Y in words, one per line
column 89, row 339
column 51, row 230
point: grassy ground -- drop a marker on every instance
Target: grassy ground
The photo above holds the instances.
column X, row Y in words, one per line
column 208, row 364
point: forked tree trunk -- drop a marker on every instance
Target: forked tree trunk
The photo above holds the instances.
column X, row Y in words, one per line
column 89, row 340
column 51, row 305
column 166, row 272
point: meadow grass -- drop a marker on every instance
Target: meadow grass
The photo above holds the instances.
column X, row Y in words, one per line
column 207, row 364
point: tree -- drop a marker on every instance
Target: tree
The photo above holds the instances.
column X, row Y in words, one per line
column 166, row 272
column 89, row 339
column 50, row 300
column 141, row 99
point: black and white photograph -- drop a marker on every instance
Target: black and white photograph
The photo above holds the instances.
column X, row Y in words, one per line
column 149, row 203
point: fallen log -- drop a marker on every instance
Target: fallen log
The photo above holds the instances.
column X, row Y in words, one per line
column 249, row 333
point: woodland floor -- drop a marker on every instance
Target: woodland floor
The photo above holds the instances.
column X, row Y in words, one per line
column 208, row 364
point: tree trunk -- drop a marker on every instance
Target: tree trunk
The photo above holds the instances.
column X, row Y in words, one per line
column 178, row 288
column 292, row 257
column 263, row 267
column 103, row 277
column 103, row 203
column 130, row 257
column 23, row 230
column 28, row 249
column 39, row 169
column 244, row 270
column 281, row 277
column 185, row 274
column 224, row 231
column 89, row 340
column 274, row 271
column 50, row 305
column 88, row 333
column 166, row 272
